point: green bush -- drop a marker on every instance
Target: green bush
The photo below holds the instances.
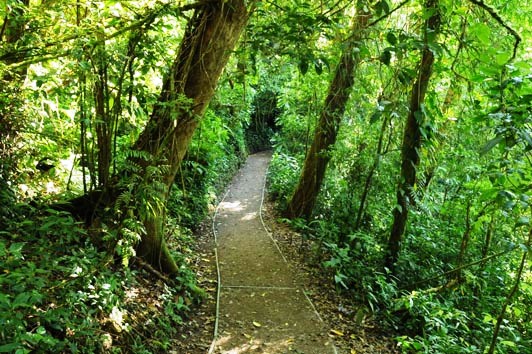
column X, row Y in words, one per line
column 61, row 293
column 283, row 175
column 212, row 159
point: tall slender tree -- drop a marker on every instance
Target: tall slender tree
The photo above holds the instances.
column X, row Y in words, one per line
column 304, row 197
column 413, row 135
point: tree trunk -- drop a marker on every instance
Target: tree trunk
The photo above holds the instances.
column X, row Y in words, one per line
column 369, row 177
column 510, row 296
column 466, row 237
column 210, row 37
column 302, row 202
column 412, row 138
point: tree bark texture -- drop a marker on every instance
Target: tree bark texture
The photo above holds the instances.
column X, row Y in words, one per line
column 210, row 38
column 304, row 197
column 412, row 138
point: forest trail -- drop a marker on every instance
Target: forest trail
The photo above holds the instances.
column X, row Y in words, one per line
column 262, row 309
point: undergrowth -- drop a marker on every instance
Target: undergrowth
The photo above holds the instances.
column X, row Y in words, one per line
column 63, row 293
column 66, row 286
column 424, row 304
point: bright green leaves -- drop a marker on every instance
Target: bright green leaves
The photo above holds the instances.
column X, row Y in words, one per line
column 481, row 32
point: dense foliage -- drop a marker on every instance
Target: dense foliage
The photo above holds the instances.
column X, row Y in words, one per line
column 81, row 79
column 460, row 271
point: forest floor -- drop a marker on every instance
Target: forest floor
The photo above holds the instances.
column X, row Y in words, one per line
column 273, row 298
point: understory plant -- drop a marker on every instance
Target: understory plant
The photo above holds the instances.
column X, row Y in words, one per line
column 63, row 292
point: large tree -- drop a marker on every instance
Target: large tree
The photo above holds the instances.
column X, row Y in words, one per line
column 209, row 39
column 413, row 135
column 304, row 197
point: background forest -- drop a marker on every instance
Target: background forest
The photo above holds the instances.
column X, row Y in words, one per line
column 401, row 145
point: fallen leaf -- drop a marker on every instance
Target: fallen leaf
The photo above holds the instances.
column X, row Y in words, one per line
column 256, row 324
column 353, row 351
column 247, row 336
column 336, row 332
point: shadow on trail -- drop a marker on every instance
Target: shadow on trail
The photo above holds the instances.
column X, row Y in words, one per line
column 262, row 309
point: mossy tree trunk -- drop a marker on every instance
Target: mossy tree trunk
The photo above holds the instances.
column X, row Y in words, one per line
column 304, row 197
column 412, row 137
column 211, row 36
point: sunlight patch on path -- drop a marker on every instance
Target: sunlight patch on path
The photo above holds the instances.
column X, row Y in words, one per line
column 262, row 309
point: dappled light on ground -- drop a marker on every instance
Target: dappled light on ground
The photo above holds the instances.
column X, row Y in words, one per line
column 249, row 216
column 262, row 307
column 232, row 206
column 251, row 344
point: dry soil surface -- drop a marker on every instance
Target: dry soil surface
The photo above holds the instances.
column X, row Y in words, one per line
column 262, row 308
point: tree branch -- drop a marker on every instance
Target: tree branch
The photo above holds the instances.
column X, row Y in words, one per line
column 499, row 19
column 143, row 22
column 374, row 22
column 414, row 285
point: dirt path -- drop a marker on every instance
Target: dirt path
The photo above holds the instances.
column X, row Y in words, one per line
column 262, row 309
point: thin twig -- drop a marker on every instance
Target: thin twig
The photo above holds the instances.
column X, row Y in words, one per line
column 499, row 19
column 414, row 285
column 374, row 22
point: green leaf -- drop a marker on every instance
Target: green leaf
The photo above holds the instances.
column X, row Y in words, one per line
column 417, row 345
column 491, row 144
column 339, row 279
column 318, row 67
column 508, row 343
column 522, row 221
column 385, row 6
column 482, row 32
column 502, row 58
column 386, row 56
column 22, row 300
column 9, row 348
column 524, row 134
column 16, row 248
column 391, row 38
column 303, row 66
